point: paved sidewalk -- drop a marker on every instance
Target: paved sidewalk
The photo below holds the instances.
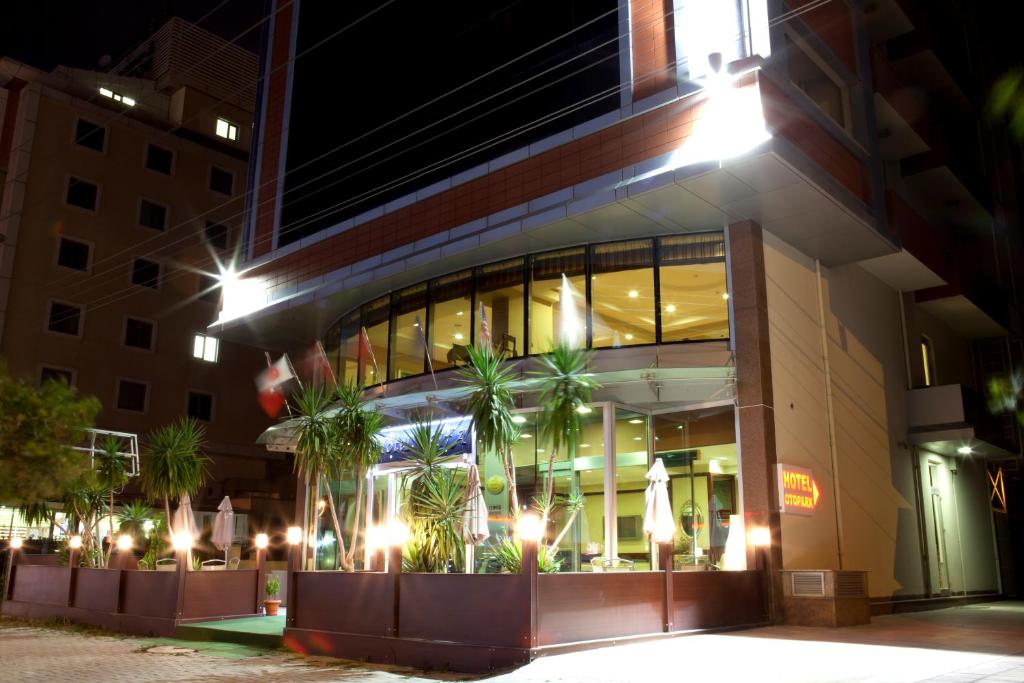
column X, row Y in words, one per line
column 974, row 643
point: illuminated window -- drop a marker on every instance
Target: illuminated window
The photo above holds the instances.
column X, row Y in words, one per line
column 348, row 362
column 500, row 288
column 226, row 129
column 927, row 361
column 118, row 97
column 694, row 295
column 408, row 314
column 551, row 314
column 451, row 314
column 374, row 359
column 205, row 348
column 622, row 293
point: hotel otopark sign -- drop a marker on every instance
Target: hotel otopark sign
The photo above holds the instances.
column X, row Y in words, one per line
column 798, row 492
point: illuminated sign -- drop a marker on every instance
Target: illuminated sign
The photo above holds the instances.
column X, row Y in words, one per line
column 456, row 439
column 798, row 492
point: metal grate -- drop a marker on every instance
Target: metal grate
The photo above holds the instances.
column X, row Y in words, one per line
column 808, row 584
column 850, row 585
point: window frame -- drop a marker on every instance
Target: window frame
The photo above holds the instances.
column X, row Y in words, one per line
column 89, row 244
column 145, row 160
column 138, row 214
column 50, row 366
column 227, row 234
column 797, row 40
column 209, row 180
column 929, row 373
column 75, row 139
column 117, row 395
column 67, row 188
column 159, row 273
column 213, row 403
column 65, row 302
column 152, row 337
column 231, row 125
column 206, row 337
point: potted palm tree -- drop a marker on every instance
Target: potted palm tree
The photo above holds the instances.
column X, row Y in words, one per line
column 175, row 465
column 271, row 604
column 317, row 450
column 358, row 433
column 112, row 476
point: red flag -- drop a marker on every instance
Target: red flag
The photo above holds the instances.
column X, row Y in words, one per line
column 271, row 402
column 268, row 384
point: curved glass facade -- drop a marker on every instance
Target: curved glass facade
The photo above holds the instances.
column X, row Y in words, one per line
column 608, row 295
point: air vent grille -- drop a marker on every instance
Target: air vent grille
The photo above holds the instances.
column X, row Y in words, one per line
column 850, row 585
column 808, row 584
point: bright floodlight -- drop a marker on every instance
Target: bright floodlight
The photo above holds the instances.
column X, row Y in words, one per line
column 397, row 533
column 262, row 541
column 75, row 542
column 529, row 528
column 124, row 542
column 181, row 541
column 965, row 450
column 376, row 537
column 16, row 543
column 760, row 536
column 294, row 535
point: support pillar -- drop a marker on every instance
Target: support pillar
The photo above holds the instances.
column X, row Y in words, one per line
column 295, row 551
column 261, row 578
column 665, row 560
column 528, row 571
column 755, row 411
column 395, row 571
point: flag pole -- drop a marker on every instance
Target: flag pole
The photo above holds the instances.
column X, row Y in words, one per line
column 373, row 358
column 426, row 350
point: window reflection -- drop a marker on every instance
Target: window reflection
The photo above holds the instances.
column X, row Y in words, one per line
column 408, row 311
column 631, row 466
column 373, row 361
column 451, row 310
column 550, row 315
column 694, row 296
column 622, row 291
column 499, row 287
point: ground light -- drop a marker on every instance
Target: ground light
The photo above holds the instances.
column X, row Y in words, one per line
column 397, row 534
column 124, row 542
column 16, row 543
column 75, row 542
column 181, row 541
column 760, row 537
column 529, row 528
column 294, row 535
column 262, row 541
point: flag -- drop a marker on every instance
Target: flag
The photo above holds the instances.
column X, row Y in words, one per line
column 268, row 385
column 316, row 366
column 485, row 329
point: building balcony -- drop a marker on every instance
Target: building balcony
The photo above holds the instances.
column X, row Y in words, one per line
column 953, row 419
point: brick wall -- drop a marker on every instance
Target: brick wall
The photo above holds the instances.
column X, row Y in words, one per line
column 832, row 23
column 653, row 46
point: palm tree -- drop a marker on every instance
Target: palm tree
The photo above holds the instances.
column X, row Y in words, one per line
column 175, row 465
column 490, row 405
column 134, row 516
column 565, row 392
column 83, row 499
column 112, row 475
column 358, row 432
column 317, row 449
column 435, row 503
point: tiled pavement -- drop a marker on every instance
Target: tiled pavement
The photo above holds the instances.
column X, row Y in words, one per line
column 974, row 643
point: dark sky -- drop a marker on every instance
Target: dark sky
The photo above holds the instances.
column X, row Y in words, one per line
column 45, row 33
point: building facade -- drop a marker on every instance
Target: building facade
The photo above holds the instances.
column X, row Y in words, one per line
column 782, row 256
column 122, row 194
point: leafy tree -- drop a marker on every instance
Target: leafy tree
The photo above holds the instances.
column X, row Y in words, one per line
column 490, row 405
column 38, row 429
column 317, row 449
column 358, row 432
column 174, row 463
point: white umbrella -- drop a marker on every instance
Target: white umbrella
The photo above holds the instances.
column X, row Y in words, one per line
column 184, row 520
column 659, row 523
column 474, row 519
column 224, row 527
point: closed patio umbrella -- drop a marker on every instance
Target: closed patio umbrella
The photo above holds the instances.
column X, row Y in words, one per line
column 224, row 527
column 184, row 521
column 474, row 519
column 659, row 523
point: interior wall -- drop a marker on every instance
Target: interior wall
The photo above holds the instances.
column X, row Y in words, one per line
column 951, row 352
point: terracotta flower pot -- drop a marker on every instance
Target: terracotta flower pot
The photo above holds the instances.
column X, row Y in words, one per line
column 271, row 606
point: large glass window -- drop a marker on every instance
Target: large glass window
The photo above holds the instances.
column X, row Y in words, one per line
column 558, row 298
column 622, row 293
column 631, row 467
column 408, row 311
column 694, row 295
column 451, row 315
column 348, row 348
column 499, row 287
column 373, row 364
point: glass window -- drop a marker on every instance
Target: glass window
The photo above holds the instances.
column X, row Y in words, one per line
column 226, row 129
column 205, row 348
column 138, row 334
column 90, row 135
column 408, row 311
column 631, row 467
column 807, row 73
column 48, row 374
column 451, row 313
column 622, row 293
column 82, row 193
column 72, row 254
column 200, row 406
column 698, row 449
column 551, row 313
column 146, row 273
column 216, row 235
column 152, row 215
column 499, row 287
column 209, row 289
column 694, row 294
column 159, row 159
column 348, row 348
column 131, row 396
column 221, row 181
column 65, row 318
column 375, row 320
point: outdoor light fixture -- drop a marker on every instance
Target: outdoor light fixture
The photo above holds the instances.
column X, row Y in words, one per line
column 147, row 526
column 294, row 535
column 376, row 538
column 529, row 528
column 181, row 541
column 262, row 541
column 397, row 534
column 965, row 450
column 583, row 410
column 760, row 536
column 636, row 421
column 124, row 542
column 16, row 543
column 518, row 419
column 75, row 542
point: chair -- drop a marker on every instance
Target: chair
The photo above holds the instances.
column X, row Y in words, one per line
column 167, row 564
column 459, row 353
column 615, row 564
column 213, row 566
column 508, row 345
column 234, row 562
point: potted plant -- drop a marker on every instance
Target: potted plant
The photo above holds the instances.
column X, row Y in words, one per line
column 271, row 604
